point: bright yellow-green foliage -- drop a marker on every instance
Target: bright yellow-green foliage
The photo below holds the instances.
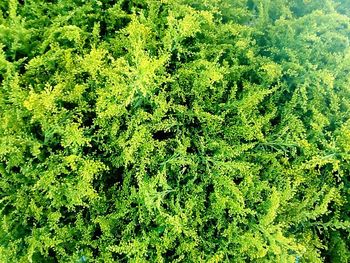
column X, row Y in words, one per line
column 174, row 131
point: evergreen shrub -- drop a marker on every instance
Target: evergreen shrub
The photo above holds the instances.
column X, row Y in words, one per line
column 174, row 131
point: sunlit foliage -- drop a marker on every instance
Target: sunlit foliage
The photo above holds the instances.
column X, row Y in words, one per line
column 174, row 131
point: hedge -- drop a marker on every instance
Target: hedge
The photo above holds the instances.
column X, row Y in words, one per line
column 175, row 131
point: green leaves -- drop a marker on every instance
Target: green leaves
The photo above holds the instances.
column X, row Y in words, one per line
column 174, row 131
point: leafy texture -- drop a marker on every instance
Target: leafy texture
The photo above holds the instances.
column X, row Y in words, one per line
column 174, row 131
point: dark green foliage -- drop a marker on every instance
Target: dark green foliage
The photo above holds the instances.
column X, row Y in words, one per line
column 174, row 131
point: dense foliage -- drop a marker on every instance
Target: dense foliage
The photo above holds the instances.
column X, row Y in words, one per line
column 174, row 131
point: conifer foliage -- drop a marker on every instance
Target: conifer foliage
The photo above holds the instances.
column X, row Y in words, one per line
column 175, row 131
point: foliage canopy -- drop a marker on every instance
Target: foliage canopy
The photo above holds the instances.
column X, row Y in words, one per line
column 174, row 131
